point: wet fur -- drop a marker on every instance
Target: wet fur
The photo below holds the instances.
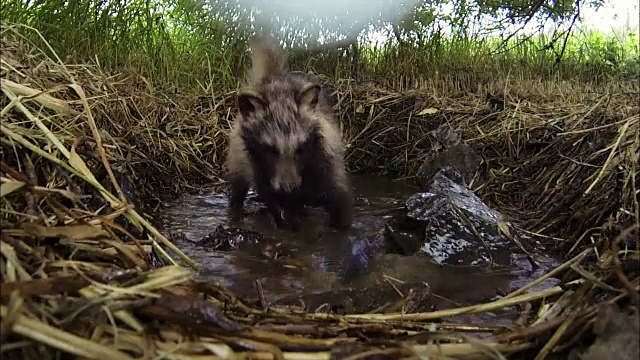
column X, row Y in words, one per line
column 286, row 111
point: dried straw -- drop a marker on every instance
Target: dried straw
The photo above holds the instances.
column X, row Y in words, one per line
column 78, row 278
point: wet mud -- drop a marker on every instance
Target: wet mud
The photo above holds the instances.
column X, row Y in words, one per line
column 321, row 269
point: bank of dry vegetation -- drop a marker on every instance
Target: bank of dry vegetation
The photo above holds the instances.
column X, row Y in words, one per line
column 560, row 157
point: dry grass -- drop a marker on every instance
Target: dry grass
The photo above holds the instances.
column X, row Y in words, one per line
column 561, row 157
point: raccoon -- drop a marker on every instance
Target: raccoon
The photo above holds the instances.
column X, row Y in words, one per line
column 286, row 143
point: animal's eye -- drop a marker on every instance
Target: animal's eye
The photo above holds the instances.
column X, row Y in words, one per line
column 261, row 149
column 304, row 148
column 308, row 146
column 269, row 150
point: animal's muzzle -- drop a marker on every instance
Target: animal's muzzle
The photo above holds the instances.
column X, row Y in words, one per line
column 289, row 197
column 287, row 177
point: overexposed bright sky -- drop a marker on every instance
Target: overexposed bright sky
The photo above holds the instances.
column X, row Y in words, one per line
column 614, row 15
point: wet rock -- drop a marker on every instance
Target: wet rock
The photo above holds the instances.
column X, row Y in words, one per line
column 376, row 299
column 617, row 335
column 449, row 150
column 450, row 224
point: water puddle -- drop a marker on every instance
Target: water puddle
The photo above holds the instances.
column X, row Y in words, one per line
column 321, row 260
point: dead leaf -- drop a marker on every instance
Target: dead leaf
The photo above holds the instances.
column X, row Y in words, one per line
column 70, row 232
column 504, row 229
column 76, row 161
column 9, row 187
column 42, row 97
column 360, row 109
column 427, row 111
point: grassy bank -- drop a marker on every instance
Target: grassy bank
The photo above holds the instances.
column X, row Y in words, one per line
column 192, row 48
column 561, row 158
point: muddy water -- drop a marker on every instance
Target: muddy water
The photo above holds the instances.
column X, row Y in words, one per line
column 321, row 259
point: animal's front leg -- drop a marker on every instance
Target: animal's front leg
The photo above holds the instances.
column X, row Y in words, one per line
column 293, row 216
column 239, row 187
column 338, row 204
column 276, row 214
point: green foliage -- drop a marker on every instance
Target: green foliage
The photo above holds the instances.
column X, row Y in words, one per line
column 193, row 44
column 167, row 42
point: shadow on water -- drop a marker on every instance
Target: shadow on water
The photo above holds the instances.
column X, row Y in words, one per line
column 319, row 259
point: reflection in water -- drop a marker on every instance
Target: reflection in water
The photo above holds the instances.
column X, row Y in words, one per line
column 320, row 258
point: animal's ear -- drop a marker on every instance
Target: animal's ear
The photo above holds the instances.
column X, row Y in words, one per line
column 309, row 96
column 249, row 102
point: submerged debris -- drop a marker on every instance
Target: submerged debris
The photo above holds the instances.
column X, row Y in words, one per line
column 189, row 311
column 406, row 298
column 230, row 238
column 226, row 238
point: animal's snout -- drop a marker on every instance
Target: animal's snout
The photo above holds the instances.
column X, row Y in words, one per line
column 287, row 178
column 289, row 193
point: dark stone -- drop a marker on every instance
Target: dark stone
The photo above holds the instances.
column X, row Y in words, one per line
column 450, row 224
